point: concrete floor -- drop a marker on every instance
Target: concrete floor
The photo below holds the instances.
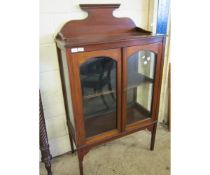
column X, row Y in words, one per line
column 129, row 155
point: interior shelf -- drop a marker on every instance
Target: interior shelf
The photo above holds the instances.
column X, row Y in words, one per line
column 136, row 80
column 98, row 94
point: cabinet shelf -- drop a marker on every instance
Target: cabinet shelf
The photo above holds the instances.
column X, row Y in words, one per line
column 135, row 81
column 98, row 94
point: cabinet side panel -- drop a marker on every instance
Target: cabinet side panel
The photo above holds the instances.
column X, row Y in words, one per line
column 67, row 89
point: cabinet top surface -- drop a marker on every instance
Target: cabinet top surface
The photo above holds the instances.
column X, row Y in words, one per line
column 100, row 27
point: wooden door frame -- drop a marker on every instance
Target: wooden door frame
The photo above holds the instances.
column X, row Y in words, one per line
column 76, row 60
column 127, row 52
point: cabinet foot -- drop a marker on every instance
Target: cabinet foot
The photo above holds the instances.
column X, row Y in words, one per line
column 72, row 144
column 70, row 137
column 81, row 153
column 153, row 134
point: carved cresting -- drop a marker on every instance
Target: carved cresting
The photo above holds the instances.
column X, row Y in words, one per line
column 100, row 20
column 43, row 139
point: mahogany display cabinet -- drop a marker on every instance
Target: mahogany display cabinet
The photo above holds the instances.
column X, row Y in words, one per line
column 111, row 75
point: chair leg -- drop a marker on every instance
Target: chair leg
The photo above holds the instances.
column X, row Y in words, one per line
column 43, row 140
column 48, row 167
column 110, row 88
column 102, row 97
column 104, row 101
column 72, row 144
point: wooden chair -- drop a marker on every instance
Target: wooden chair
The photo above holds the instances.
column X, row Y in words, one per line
column 96, row 74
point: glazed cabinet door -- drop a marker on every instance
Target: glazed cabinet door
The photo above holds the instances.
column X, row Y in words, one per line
column 98, row 81
column 141, row 67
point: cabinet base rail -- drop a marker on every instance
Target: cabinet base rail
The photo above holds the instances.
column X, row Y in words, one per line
column 84, row 149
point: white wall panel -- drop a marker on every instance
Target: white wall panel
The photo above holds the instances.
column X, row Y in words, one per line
column 56, row 127
column 56, row 6
column 48, row 58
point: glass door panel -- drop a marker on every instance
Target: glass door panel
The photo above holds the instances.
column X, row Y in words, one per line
column 140, row 79
column 98, row 84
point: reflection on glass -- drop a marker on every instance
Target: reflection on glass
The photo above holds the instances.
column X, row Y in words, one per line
column 98, row 83
column 141, row 68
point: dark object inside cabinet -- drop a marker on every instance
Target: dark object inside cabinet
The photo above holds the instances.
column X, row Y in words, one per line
column 111, row 75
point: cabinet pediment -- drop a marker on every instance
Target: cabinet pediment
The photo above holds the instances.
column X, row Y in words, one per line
column 99, row 23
